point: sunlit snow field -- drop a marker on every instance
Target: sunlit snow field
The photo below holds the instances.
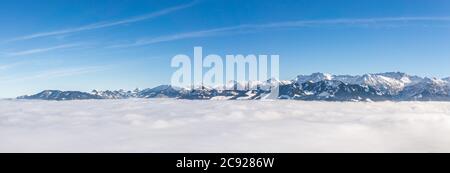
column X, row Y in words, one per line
column 168, row 125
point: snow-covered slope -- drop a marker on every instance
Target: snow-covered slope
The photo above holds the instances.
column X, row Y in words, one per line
column 315, row 77
column 61, row 95
column 390, row 82
column 447, row 80
column 118, row 94
column 159, row 91
column 427, row 90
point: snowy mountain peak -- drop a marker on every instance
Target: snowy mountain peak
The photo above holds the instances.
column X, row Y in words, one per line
column 60, row 95
column 317, row 86
column 435, row 81
column 315, row 77
column 395, row 75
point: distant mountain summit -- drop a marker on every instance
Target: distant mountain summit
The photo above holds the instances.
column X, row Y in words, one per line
column 390, row 83
column 61, row 95
column 162, row 91
column 393, row 86
column 118, row 94
column 332, row 90
column 427, row 90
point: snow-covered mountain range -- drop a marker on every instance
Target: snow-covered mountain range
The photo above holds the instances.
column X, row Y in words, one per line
column 395, row 86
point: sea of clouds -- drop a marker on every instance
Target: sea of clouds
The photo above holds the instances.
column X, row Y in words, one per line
column 169, row 125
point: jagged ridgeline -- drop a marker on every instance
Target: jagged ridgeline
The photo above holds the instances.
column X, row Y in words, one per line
column 394, row 86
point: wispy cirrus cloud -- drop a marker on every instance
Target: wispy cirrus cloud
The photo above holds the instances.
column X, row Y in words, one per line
column 41, row 50
column 63, row 72
column 203, row 33
column 245, row 28
column 100, row 25
column 56, row 73
column 11, row 65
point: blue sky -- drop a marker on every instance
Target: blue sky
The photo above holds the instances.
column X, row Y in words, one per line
column 85, row 45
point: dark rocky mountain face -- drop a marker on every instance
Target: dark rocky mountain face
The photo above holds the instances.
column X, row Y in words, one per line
column 198, row 94
column 61, row 95
column 162, row 91
column 428, row 90
column 119, row 94
column 331, row 90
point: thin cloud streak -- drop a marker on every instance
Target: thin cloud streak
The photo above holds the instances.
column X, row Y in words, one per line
column 288, row 24
column 57, row 73
column 106, row 24
column 8, row 66
column 41, row 50
column 70, row 71
column 204, row 33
